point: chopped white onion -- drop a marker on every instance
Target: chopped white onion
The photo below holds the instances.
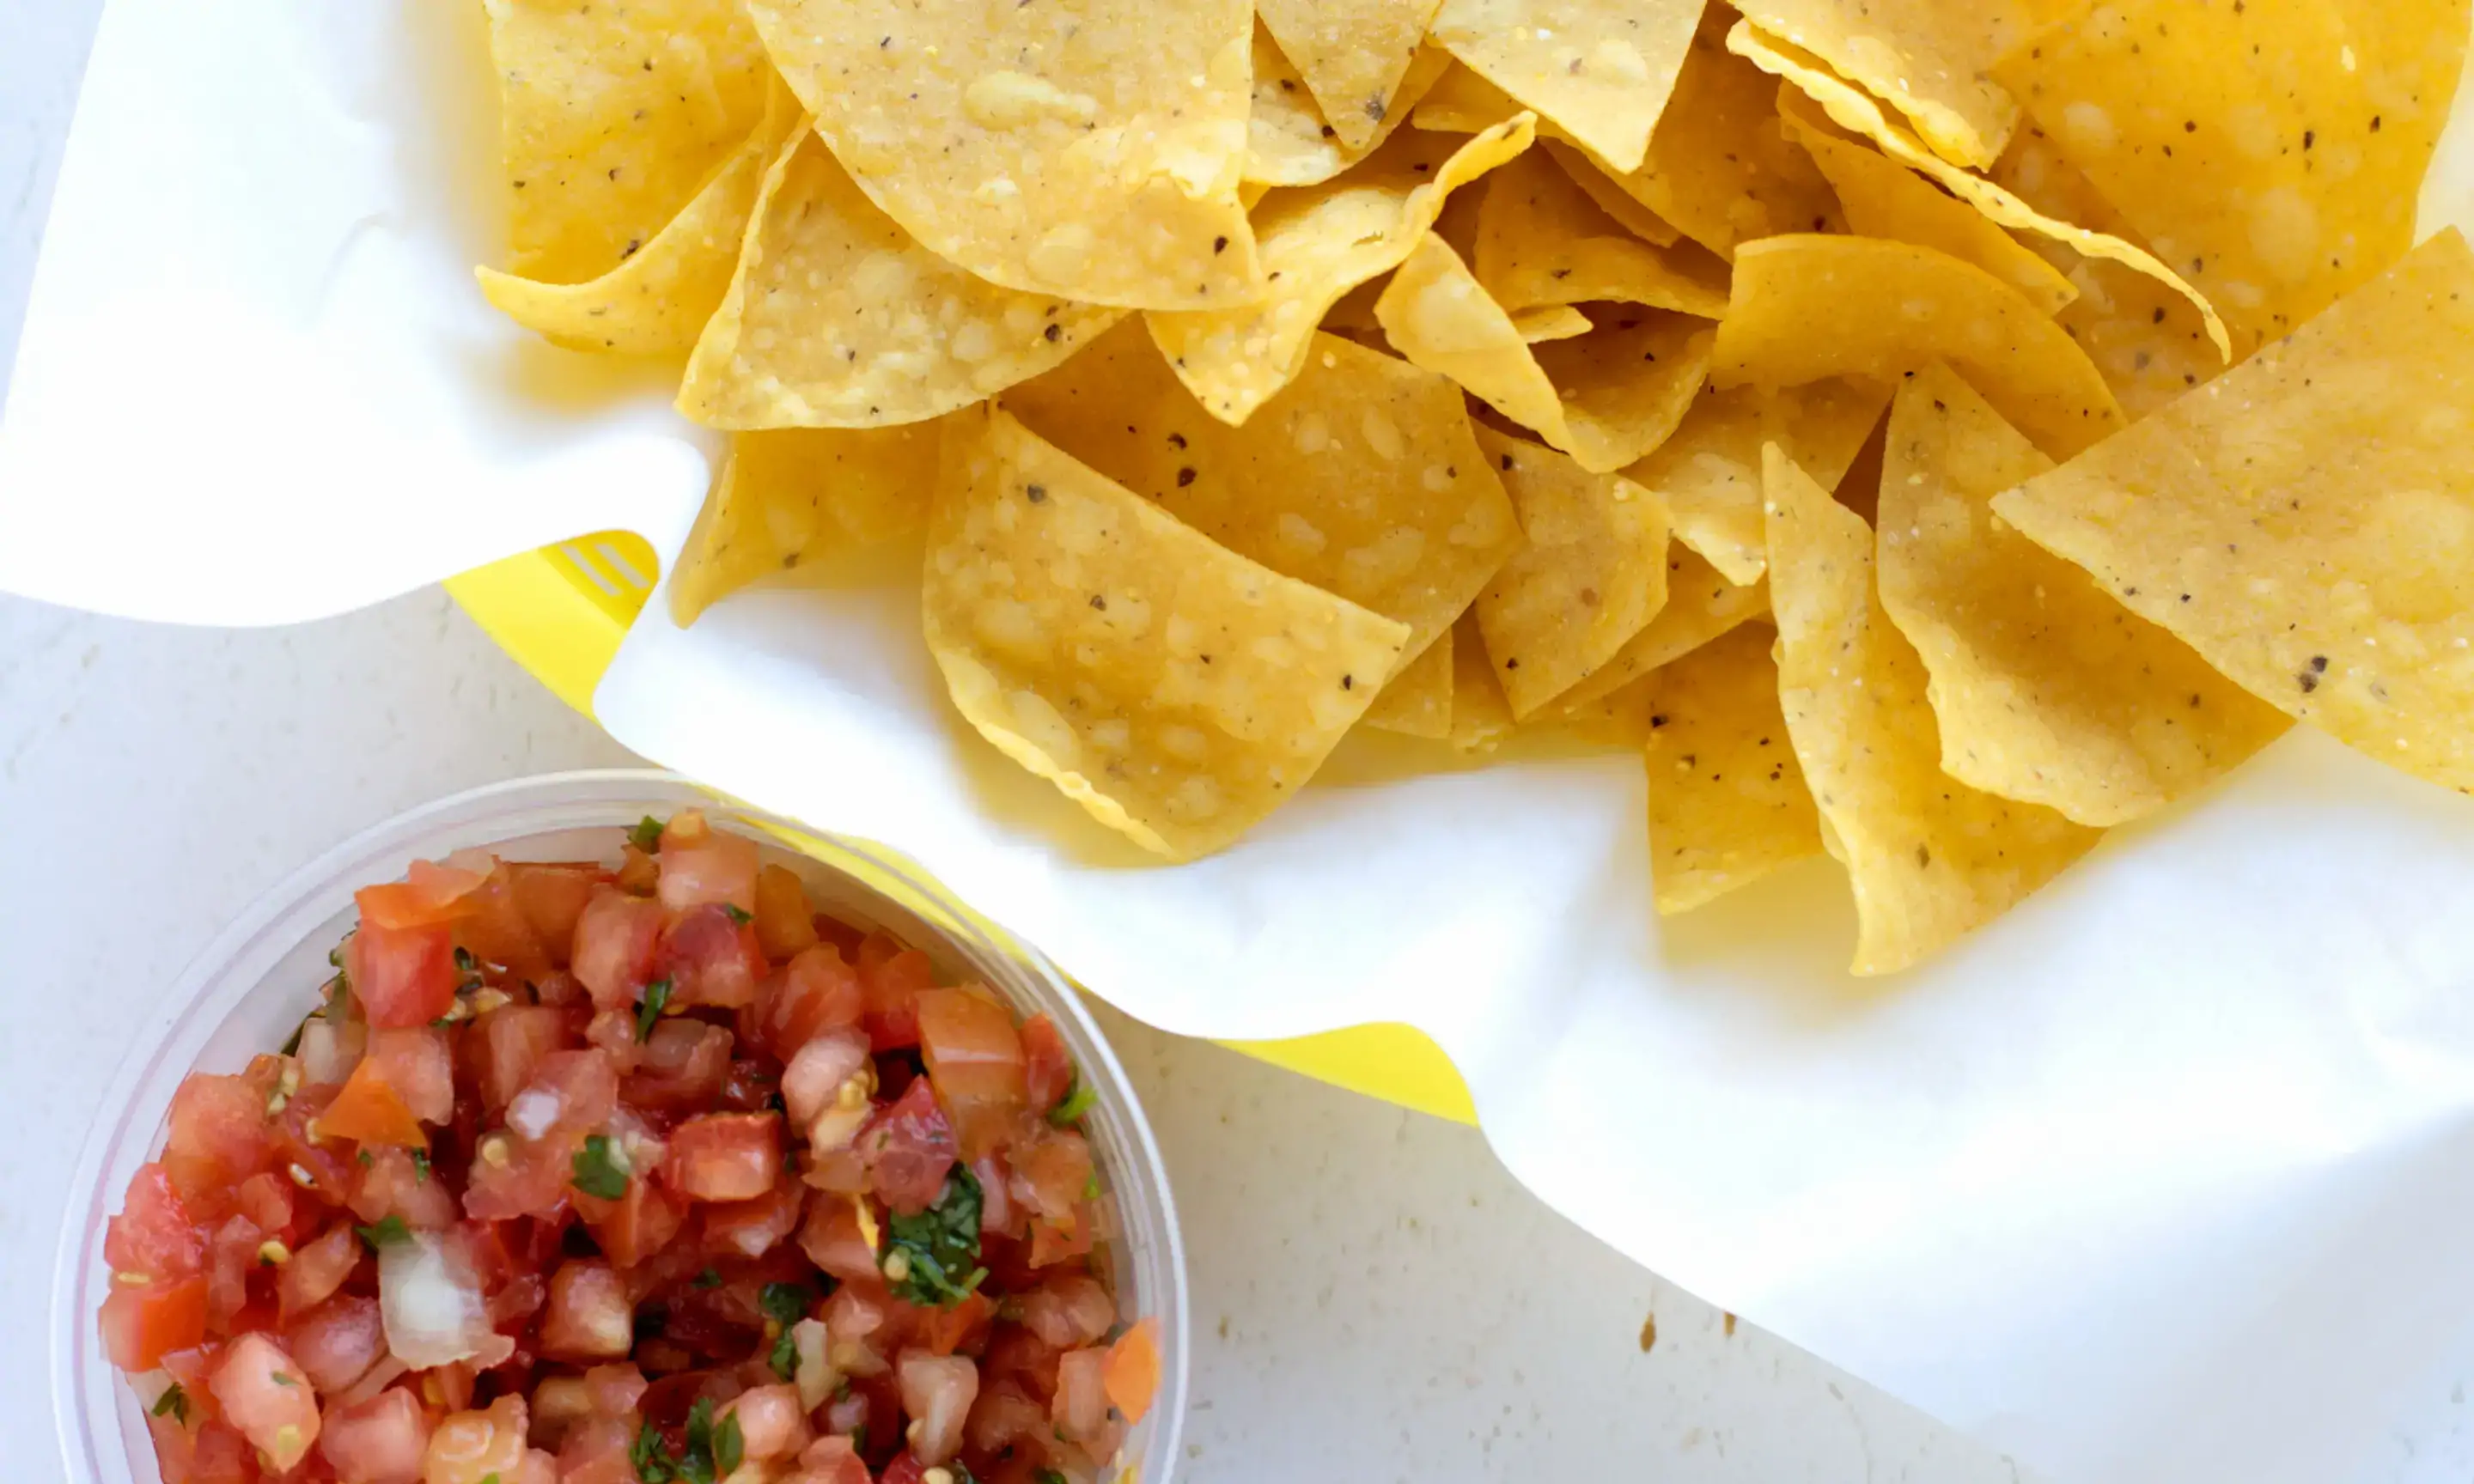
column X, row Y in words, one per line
column 328, row 1052
column 816, row 1378
column 535, row 1111
column 431, row 1302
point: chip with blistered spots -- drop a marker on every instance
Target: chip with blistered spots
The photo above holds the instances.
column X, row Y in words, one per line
column 1709, row 471
column 1601, row 69
column 788, row 500
column 1362, row 477
column 1176, row 690
column 1931, row 59
column 2306, row 520
column 1287, row 142
column 1727, row 799
column 837, row 317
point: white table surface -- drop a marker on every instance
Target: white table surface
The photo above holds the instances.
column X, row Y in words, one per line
column 1374, row 1299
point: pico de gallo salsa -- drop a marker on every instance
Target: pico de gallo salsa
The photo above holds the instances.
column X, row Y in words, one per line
column 646, row 1175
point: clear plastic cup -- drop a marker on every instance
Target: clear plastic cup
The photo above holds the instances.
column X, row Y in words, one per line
column 248, row 991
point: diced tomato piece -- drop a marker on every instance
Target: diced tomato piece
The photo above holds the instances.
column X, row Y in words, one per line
column 153, row 1235
column 495, row 932
column 518, row 1177
column 890, row 977
column 1005, row 1416
column 631, row 1229
column 402, row 975
column 468, row 1448
column 616, row 937
column 1051, row 1245
column 590, row 1316
column 144, row 1321
column 818, row 993
column 380, row 1441
column 337, row 1342
column 959, row 1327
column 1068, row 1311
column 975, row 1059
column 700, row 864
column 710, row 959
column 266, row 1199
column 936, row 1392
column 215, row 1454
column 552, row 897
column 1132, row 1373
column 370, row 1112
column 771, row 1423
column 1047, row 1068
column 909, row 1148
column 594, row 1451
column 392, row 1183
column 724, row 1156
column 430, row 895
column 835, row 1240
column 905, row 1469
column 1081, row 1406
column 317, row 1269
column 507, row 1045
column 1052, row 1171
column 218, row 1139
column 829, row 1460
column 231, row 1260
column 786, row 924
column 818, row 1076
column 751, row 1229
column 265, row 1394
column 683, row 1067
column 420, row 1064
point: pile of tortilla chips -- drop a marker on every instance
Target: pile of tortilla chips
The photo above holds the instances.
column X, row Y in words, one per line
column 1928, row 433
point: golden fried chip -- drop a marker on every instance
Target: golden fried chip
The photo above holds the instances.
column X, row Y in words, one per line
column 2306, row 520
column 1287, row 142
column 1541, row 242
column 1591, row 574
column 1931, row 59
column 1481, row 718
column 1089, row 152
column 1727, row 801
column 1353, row 55
column 1709, row 471
column 1852, row 110
column 613, row 117
column 2146, row 341
column 1555, row 322
column 1929, row 858
column 838, row 319
column 2271, row 150
column 786, row 500
column 657, row 301
column 1601, row 69
column 1606, row 397
column 2046, row 688
column 1173, row 688
column 1418, row 702
column 1701, row 605
column 1319, row 242
column 1600, row 187
column 1882, row 198
column 1362, row 477
column 1806, row 307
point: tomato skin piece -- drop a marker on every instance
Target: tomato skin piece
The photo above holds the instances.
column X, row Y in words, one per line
column 616, row 938
column 402, row 976
column 429, row 893
column 551, row 897
column 1048, row 1066
column 1132, row 1373
column 786, row 924
column 143, row 1322
column 909, row 1146
column 370, row 1112
column 153, row 1235
column 724, row 1156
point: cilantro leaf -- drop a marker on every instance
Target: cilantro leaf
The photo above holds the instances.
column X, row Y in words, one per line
column 657, row 997
column 710, row 1278
column 174, row 1404
column 646, row 836
column 652, row 1466
column 596, row 1170
column 785, row 1358
column 696, row 1464
column 932, row 1257
column 787, row 1304
column 729, row 1448
column 391, row 1230
column 739, row 915
column 419, row 1167
column 1076, row 1102
column 1049, row 1476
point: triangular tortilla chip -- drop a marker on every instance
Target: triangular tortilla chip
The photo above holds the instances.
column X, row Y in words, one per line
column 1601, row 71
column 1353, row 55
column 1931, row 59
column 1709, row 471
column 1087, row 152
column 1600, row 187
column 1806, row 307
column 1173, row 688
column 1930, row 859
column 1287, row 140
column 1701, row 605
column 1481, row 718
column 1726, row 800
column 1418, row 702
column 2306, row 520
column 786, row 500
column 838, row 319
column 1606, row 397
column 1555, row 322
column 1542, row 241
column 2046, row 688
column 1320, row 242
column 2270, row 150
column 1591, row 572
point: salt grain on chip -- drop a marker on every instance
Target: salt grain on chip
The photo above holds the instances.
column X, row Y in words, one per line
column 1353, row 54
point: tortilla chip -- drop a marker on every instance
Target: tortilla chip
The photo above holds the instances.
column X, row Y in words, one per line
column 1353, row 55
column 1318, row 243
column 1882, row 198
column 1418, row 702
column 1481, row 718
column 657, row 301
column 1600, row 187
column 1173, row 688
column 1086, row 152
column 838, row 319
column 1852, row 110
column 786, row 500
column 2146, row 341
column 2274, row 150
column 1930, row 59
column 1541, row 242
column 1555, row 322
column 1362, row 477
column 1709, row 471
column 1806, row 307
column 1701, row 605
column 1287, row 140
column 1606, row 398
column 1929, row 858
column 612, row 118
column 1602, row 71
column 1726, row 800
column 2305, row 521
column 1591, row 574
column 2048, row 690
column 1860, row 489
